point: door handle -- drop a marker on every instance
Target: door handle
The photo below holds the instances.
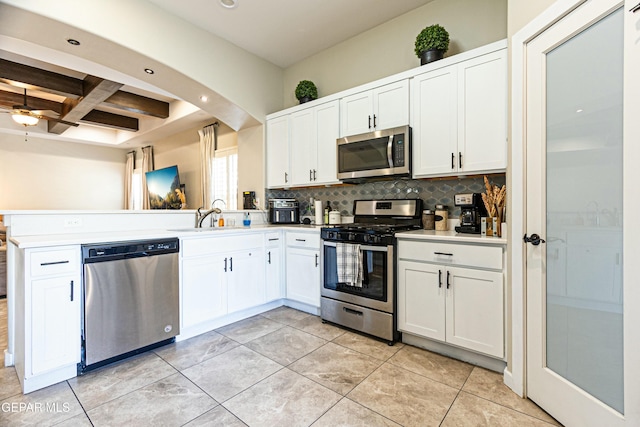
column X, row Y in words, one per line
column 439, row 278
column 269, row 257
column 71, row 285
column 286, row 177
column 390, row 151
column 369, row 125
column 310, row 175
column 448, row 276
column 460, row 159
column 535, row 240
column 231, row 264
column 352, row 311
column 453, row 161
column 225, row 265
column 442, row 253
column 314, row 175
column 316, row 260
column 374, row 120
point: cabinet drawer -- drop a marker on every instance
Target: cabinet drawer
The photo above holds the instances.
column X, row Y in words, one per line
column 489, row 257
column 211, row 245
column 52, row 262
column 273, row 238
column 303, row 240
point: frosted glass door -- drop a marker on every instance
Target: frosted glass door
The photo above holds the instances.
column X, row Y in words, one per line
column 584, row 209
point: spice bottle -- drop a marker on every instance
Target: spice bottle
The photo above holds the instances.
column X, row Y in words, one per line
column 428, row 219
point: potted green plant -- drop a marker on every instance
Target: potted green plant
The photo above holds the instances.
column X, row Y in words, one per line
column 432, row 43
column 306, row 91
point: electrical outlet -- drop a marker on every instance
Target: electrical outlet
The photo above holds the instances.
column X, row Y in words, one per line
column 73, row 222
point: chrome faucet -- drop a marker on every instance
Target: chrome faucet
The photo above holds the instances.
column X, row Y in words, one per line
column 200, row 216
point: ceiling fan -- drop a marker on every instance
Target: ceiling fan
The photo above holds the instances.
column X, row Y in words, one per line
column 27, row 116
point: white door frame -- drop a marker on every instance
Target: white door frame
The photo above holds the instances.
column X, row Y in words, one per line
column 515, row 376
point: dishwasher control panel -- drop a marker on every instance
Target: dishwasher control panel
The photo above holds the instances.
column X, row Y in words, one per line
column 119, row 250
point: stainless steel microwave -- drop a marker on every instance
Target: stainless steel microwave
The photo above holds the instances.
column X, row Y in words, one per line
column 382, row 153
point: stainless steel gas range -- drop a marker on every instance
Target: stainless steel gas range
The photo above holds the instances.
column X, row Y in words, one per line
column 358, row 266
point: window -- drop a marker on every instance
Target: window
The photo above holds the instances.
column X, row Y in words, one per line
column 136, row 189
column 225, row 177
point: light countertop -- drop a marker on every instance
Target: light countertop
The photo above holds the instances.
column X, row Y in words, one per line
column 451, row 236
column 24, row 242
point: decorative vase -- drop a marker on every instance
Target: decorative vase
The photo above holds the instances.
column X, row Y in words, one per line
column 431, row 55
column 305, row 99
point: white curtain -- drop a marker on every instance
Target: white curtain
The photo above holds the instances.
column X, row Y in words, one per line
column 147, row 166
column 208, row 145
column 128, row 180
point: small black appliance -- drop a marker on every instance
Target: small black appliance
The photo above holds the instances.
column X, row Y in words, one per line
column 472, row 209
column 249, row 199
column 284, row 211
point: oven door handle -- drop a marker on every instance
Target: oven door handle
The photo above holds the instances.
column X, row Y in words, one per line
column 390, row 151
column 362, row 247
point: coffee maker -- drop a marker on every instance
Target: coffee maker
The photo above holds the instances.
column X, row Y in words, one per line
column 249, row 199
column 471, row 211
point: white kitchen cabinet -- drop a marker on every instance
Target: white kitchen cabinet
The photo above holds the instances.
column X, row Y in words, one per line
column 381, row 108
column 313, row 144
column 277, row 152
column 459, row 117
column 303, row 267
column 48, row 316
column 204, row 291
column 245, row 279
column 461, row 306
column 274, row 267
column 221, row 275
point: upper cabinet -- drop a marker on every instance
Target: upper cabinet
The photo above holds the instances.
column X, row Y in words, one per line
column 313, row 144
column 278, row 152
column 459, row 117
column 381, row 108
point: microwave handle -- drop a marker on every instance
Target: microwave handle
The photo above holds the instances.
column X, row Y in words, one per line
column 390, row 151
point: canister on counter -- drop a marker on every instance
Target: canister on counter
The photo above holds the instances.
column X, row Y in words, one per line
column 428, row 219
column 442, row 218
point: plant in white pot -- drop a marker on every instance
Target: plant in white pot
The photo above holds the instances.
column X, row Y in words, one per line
column 431, row 44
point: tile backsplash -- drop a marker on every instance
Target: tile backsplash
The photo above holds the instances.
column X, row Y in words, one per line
column 431, row 191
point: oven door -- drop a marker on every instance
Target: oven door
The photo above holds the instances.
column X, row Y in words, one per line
column 377, row 278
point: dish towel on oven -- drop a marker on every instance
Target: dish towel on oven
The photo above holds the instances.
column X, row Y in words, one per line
column 349, row 264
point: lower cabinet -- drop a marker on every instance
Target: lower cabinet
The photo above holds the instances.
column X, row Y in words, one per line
column 457, row 305
column 303, row 268
column 48, row 316
column 274, row 266
column 204, row 293
column 221, row 275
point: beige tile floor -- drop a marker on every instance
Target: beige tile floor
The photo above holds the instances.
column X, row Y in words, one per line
column 281, row 368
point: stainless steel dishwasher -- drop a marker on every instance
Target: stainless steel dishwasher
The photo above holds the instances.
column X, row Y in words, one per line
column 131, row 299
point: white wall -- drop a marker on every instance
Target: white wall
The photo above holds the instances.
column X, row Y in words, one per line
column 46, row 174
column 251, row 163
column 388, row 48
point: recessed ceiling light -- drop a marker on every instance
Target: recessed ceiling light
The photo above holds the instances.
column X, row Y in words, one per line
column 229, row 4
column 149, row 71
column 204, row 98
column 73, row 42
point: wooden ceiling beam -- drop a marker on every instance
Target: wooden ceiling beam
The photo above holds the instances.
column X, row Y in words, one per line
column 111, row 120
column 9, row 99
column 47, row 81
column 95, row 90
column 138, row 104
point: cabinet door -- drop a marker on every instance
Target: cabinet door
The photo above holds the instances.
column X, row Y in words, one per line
column 55, row 327
column 303, row 146
column 435, row 131
column 245, row 283
column 356, row 112
column 278, row 152
column 475, row 311
column 204, row 294
column 391, row 105
column 303, row 275
column 421, row 299
column 482, row 113
column 327, row 129
column 274, row 288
